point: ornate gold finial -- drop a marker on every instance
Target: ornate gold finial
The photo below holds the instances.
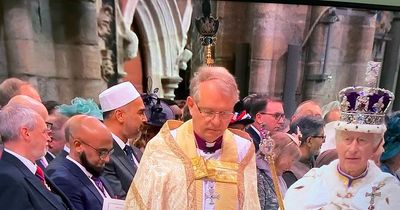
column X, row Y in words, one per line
column 207, row 26
column 267, row 149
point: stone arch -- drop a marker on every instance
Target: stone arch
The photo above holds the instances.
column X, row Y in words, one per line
column 164, row 25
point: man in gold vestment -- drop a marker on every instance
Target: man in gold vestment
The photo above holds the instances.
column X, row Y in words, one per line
column 199, row 164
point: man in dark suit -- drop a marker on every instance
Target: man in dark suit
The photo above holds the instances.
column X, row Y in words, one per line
column 23, row 184
column 268, row 116
column 123, row 112
column 79, row 174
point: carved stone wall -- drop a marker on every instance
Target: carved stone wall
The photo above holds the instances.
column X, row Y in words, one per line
column 164, row 25
column 53, row 45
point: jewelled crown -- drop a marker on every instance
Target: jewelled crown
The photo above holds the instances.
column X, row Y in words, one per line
column 364, row 105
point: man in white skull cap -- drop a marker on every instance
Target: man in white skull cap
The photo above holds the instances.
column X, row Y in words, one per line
column 123, row 113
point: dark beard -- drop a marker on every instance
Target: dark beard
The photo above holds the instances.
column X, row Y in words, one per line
column 94, row 170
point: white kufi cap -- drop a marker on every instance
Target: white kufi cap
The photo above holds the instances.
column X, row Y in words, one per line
column 117, row 96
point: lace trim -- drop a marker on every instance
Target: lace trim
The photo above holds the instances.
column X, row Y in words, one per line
column 190, row 176
column 240, row 178
column 137, row 198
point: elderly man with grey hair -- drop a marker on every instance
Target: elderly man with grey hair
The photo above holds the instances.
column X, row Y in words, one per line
column 199, row 164
column 353, row 181
column 23, row 184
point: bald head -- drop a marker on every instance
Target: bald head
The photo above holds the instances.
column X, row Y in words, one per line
column 90, row 142
column 307, row 108
column 333, row 115
column 88, row 128
column 14, row 86
column 28, row 102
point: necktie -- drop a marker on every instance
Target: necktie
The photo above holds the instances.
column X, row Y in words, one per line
column 99, row 184
column 129, row 152
column 40, row 174
column 44, row 162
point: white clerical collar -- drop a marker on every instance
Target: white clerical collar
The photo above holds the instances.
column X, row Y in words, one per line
column 67, row 149
column 256, row 130
column 31, row 166
column 87, row 173
column 119, row 141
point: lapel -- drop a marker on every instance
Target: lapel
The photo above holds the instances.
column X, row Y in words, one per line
column 81, row 176
column 49, row 157
column 122, row 159
column 31, row 179
column 107, row 187
column 63, row 153
column 254, row 135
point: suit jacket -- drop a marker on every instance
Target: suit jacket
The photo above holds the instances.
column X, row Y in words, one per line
column 63, row 153
column 49, row 157
column 21, row 189
column 82, row 193
column 1, row 150
column 254, row 135
column 119, row 172
column 52, row 166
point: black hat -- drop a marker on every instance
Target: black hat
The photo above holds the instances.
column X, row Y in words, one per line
column 156, row 111
column 240, row 115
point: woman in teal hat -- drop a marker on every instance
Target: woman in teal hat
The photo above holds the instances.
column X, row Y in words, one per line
column 390, row 159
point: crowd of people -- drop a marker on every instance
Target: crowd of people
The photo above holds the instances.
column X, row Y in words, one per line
column 216, row 152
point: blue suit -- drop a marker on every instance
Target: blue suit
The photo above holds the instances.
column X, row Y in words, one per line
column 21, row 189
column 82, row 193
column 53, row 165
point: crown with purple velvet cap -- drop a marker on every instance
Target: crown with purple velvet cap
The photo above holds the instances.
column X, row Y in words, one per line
column 362, row 109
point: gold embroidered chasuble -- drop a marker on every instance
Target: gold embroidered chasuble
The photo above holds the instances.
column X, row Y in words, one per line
column 171, row 173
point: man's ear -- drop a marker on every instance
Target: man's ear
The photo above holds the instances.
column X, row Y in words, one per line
column 308, row 141
column 190, row 104
column 119, row 115
column 381, row 142
column 78, row 146
column 258, row 119
column 25, row 133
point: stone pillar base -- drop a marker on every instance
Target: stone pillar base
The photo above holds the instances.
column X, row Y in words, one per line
column 169, row 85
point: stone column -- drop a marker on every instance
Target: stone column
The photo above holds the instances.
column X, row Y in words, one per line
column 274, row 27
column 262, row 71
column 349, row 50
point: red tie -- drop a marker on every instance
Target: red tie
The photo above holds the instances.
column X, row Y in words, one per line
column 39, row 173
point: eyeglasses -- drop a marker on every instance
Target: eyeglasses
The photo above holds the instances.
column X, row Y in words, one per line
column 103, row 153
column 277, row 116
column 49, row 125
column 322, row 137
column 209, row 115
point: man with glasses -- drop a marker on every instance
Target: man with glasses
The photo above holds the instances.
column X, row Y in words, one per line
column 268, row 116
column 23, row 184
column 28, row 102
column 79, row 174
column 353, row 181
column 311, row 135
column 123, row 113
column 199, row 164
